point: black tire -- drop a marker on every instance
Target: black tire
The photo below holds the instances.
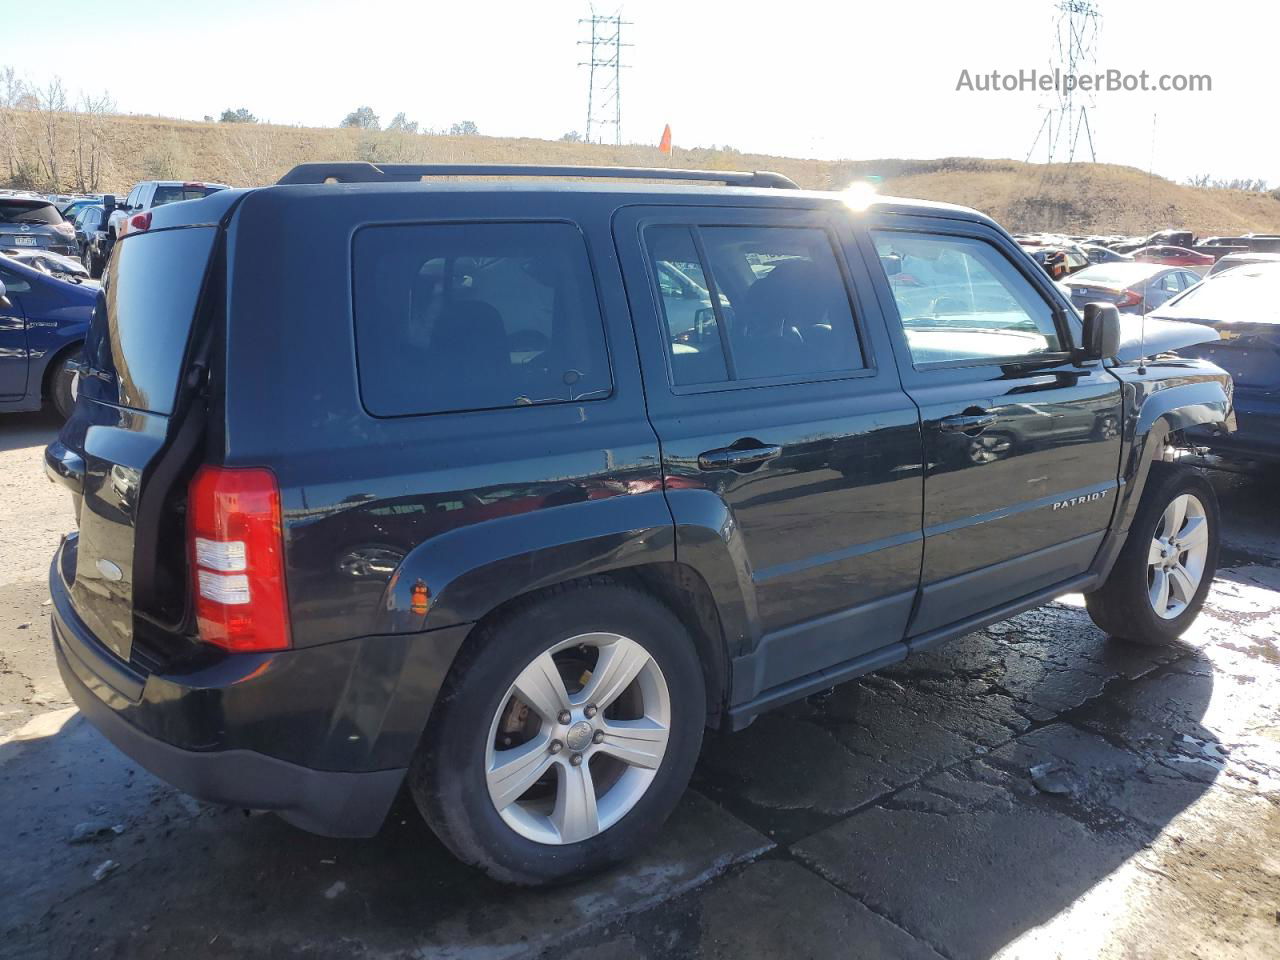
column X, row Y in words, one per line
column 447, row 775
column 1121, row 606
column 60, row 378
column 91, row 263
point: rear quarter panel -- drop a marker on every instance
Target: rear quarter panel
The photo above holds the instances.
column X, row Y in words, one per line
column 476, row 507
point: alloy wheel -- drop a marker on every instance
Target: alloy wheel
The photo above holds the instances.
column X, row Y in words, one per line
column 578, row 738
column 1177, row 555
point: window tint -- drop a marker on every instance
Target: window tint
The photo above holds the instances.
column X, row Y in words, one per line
column 166, row 193
column 142, row 321
column 476, row 316
column 960, row 299
column 28, row 211
column 780, row 305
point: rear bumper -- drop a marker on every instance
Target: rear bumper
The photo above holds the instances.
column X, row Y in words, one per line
column 321, row 735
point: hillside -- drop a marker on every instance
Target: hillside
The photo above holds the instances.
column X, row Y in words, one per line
column 1092, row 198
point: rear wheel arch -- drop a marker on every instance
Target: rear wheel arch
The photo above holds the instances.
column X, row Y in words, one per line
column 676, row 586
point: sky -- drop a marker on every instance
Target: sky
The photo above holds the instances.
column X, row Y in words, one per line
column 836, row 80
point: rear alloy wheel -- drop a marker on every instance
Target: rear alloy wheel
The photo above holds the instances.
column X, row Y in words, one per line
column 1164, row 570
column 565, row 734
column 563, row 766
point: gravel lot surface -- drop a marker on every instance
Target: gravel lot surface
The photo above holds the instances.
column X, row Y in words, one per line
column 1028, row 791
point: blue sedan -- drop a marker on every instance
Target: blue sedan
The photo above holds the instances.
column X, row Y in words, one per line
column 43, row 322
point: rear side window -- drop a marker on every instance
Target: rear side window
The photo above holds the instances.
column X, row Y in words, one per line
column 474, row 316
column 171, row 194
column 752, row 303
column 141, row 324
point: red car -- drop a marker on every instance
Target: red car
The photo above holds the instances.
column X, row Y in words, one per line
column 1173, row 256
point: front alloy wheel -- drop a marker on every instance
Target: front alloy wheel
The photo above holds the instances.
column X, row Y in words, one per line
column 1163, row 572
column 1176, row 559
column 578, row 738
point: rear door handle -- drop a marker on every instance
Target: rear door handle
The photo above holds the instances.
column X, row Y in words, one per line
column 966, row 422
column 738, row 458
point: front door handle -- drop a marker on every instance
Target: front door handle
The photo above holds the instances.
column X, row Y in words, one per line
column 968, row 422
column 738, row 458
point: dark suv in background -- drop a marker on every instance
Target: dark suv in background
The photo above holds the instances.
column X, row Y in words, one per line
column 507, row 491
column 29, row 222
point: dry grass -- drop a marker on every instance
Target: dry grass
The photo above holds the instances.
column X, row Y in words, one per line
column 1090, row 198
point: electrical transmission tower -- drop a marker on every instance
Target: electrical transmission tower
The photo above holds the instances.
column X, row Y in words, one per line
column 1075, row 51
column 604, row 83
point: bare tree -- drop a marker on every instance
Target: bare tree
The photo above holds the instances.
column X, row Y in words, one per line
column 91, row 154
column 52, row 103
column 15, row 100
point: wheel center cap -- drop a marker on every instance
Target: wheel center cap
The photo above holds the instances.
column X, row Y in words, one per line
column 578, row 736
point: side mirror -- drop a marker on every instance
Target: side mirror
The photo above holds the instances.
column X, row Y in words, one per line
column 4, row 299
column 892, row 264
column 1101, row 336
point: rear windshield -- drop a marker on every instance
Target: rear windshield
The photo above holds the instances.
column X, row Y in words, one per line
column 172, row 194
column 473, row 316
column 138, row 337
column 27, row 211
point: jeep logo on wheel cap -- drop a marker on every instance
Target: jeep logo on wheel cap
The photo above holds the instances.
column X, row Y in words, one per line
column 579, row 736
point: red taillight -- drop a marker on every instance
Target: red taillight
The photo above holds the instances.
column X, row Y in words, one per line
column 140, row 221
column 237, row 558
column 1131, row 298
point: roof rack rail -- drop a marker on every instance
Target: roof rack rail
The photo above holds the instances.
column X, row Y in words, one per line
column 362, row 172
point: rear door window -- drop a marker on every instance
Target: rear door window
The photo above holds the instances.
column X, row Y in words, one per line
column 474, row 316
column 172, row 193
column 752, row 303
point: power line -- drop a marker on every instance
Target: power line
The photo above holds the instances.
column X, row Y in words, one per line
column 1076, row 27
column 604, row 80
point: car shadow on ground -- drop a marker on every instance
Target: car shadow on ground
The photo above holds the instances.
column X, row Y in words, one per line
column 963, row 798
column 18, row 430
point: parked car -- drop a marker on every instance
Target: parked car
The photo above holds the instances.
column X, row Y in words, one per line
column 1172, row 256
column 435, row 493
column 1243, row 306
column 1233, row 260
column 1100, row 254
column 1058, row 261
column 31, row 222
column 43, row 321
column 90, row 226
column 70, row 209
column 1133, row 287
column 134, row 215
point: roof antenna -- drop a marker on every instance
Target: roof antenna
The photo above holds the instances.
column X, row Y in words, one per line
column 1142, row 328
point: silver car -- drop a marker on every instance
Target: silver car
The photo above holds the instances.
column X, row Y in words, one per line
column 1133, row 287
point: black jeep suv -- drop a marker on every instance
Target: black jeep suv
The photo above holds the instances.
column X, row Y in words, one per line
column 507, row 490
